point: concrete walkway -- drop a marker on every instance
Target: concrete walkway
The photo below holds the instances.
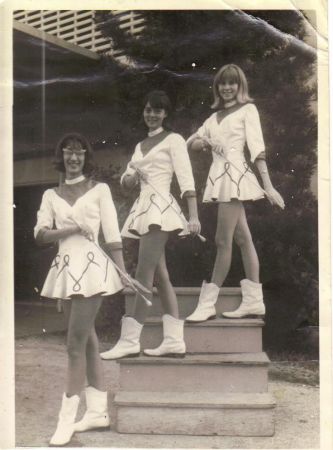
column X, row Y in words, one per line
column 40, row 377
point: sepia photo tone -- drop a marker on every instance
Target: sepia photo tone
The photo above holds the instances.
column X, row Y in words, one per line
column 165, row 190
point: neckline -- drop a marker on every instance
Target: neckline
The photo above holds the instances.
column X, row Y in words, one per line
column 225, row 112
column 66, row 201
column 153, row 149
column 233, row 104
column 75, row 180
column 155, row 132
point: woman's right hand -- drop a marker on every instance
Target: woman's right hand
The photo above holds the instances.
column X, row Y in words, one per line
column 200, row 144
column 130, row 181
column 139, row 173
column 142, row 175
column 84, row 230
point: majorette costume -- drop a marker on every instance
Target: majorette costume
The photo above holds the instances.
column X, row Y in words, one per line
column 153, row 208
column 80, row 268
column 231, row 129
column 169, row 155
column 230, row 177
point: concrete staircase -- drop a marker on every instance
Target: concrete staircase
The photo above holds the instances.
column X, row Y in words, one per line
column 219, row 388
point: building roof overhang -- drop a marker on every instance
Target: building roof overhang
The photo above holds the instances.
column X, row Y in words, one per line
column 58, row 87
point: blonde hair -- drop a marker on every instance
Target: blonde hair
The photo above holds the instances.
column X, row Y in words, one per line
column 234, row 74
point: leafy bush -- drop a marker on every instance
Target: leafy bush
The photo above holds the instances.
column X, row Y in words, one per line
column 180, row 51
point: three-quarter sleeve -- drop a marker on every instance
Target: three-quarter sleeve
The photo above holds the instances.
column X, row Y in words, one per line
column 109, row 218
column 253, row 132
column 181, row 163
column 204, row 130
column 45, row 214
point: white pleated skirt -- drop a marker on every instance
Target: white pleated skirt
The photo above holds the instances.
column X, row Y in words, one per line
column 80, row 269
column 149, row 211
column 231, row 180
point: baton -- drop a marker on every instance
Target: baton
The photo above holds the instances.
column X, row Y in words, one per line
column 125, row 275
column 128, row 278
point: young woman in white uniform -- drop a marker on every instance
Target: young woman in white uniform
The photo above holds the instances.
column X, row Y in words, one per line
column 80, row 274
column 230, row 182
column 154, row 215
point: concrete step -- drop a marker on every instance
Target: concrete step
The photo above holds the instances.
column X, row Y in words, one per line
column 213, row 336
column 192, row 413
column 231, row 372
column 229, row 299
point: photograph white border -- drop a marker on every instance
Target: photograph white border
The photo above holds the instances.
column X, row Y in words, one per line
column 7, row 380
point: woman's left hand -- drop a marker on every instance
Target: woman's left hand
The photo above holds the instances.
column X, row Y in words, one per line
column 126, row 280
column 130, row 282
column 274, row 197
column 194, row 226
column 87, row 232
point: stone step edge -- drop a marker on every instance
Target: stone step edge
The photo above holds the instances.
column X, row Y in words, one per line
column 218, row 322
column 245, row 359
column 230, row 291
column 195, row 400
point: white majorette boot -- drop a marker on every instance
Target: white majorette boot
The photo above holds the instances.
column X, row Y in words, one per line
column 173, row 339
column 252, row 301
column 205, row 309
column 97, row 415
column 129, row 342
column 65, row 426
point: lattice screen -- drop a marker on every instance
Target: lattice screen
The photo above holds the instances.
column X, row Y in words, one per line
column 78, row 27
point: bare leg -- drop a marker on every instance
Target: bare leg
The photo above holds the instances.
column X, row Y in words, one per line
column 165, row 289
column 94, row 363
column 227, row 218
column 66, row 307
column 151, row 249
column 81, row 322
column 252, row 297
column 243, row 239
column 94, row 369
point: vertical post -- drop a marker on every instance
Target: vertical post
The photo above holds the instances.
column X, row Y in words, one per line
column 59, row 301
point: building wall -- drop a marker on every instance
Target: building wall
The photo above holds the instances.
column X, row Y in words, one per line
column 40, row 171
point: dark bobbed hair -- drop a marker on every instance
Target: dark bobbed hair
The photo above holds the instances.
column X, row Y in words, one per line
column 74, row 140
column 159, row 100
